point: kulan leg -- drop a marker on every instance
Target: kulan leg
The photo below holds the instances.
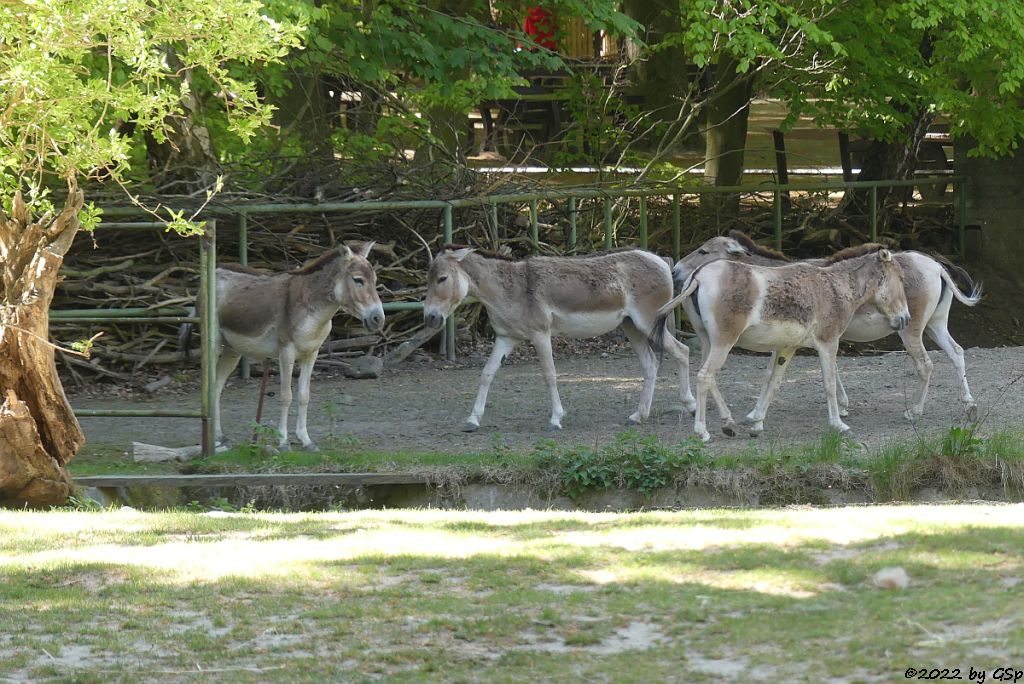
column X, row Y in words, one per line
column 649, row 368
column 227, row 359
column 286, row 362
column 779, row 364
column 681, row 353
column 844, row 401
column 827, row 356
column 923, row 364
column 542, row 343
column 938, row 331
column 716, row 357
column 502, row 347
column 305, row 373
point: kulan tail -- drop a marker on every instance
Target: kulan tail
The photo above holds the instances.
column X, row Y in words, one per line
column 975, row 288
column 656, row 339
column 185, row 336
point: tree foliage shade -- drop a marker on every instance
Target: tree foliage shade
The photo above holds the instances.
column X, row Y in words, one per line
column 71, row 71
column 954, row 58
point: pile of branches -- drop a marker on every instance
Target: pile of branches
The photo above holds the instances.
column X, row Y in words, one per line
column 149, row 268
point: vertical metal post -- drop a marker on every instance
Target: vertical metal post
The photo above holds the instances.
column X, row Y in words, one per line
column 777, row 213
column 572, row 224
column 534, row 234
column 960, row 209
column 676, row 240
column 608, row 223
column 208, row 297
column 244, row 369
column 449, row 329
column 676, row 223
column 494, row 223
column 873, row 213
column 643, row 222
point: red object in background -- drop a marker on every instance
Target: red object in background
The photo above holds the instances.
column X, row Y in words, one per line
column 539, row 24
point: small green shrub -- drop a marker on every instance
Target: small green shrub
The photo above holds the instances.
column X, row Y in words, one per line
column 630, row 462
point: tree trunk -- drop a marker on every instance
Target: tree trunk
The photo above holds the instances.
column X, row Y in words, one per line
column 185, row 161
column 661, row 76
column 887, row 161
column 39, row 433
column 728, row 112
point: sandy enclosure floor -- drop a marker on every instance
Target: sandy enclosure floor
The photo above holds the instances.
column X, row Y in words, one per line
column 422, row 406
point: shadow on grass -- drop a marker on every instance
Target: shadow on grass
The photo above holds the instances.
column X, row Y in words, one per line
column 498, row 602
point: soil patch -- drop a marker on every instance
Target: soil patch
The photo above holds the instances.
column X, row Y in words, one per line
column 421, row 406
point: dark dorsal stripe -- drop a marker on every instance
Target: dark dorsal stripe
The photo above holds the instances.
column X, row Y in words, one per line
column 754, row 248
column 239, row 268
column 318, row 264
column 854, row 252
column 488, row 254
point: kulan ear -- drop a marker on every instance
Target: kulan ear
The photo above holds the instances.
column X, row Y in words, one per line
column 346, row 251
column 461, row 254
column 735, row 248
column 367, row 248
column 885, row 255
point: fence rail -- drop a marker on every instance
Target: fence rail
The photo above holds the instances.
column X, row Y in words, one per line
column 532, row 199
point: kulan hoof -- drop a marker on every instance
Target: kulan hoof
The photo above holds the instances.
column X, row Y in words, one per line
column 310, row 447
column 470, row 427
column 972, row 413
column 631, row 421
column 729, row 429
column 554, row 427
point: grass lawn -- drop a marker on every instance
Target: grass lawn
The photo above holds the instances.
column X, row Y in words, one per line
column 711, row 595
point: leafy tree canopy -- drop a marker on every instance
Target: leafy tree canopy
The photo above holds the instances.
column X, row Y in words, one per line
column 956, row 58
column 72, row 70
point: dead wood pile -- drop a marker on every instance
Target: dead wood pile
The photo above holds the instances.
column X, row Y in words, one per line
column 118, row 268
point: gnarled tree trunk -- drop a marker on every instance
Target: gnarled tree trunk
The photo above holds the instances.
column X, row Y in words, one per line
column 726, row 140
column 39, row 433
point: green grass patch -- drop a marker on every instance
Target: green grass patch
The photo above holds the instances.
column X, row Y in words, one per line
column 454, row 596
column 957, row 463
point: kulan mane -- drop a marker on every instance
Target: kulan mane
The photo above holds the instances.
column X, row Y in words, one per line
column 854, row 252
column 318, row 264
column 486, row 253
column 754, row 248
column 239, row 268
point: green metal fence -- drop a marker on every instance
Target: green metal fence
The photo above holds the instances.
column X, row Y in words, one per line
column 206, row 319
column 572, row 197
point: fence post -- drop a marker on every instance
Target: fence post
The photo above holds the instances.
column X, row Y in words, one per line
column 534, row 233
column 777, row 217
column 572, row 225
column 494, row 223
column 960, row 209
column 608, row 223
column 208, row 290
column 449, row 327
column 643, row 222
column 676, row 246
column 873, row 213
column 244, row 369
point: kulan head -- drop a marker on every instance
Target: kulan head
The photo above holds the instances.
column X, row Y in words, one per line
column 447, row 286
column 889, row 296
column 716, row 248
column 355, row 287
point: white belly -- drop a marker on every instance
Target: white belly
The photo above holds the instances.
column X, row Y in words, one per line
column 764, row 337
column 868, row 327
column 589, row 324
column 258, row 348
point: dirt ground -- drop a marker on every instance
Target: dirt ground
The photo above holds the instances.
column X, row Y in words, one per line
column 421, row 406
